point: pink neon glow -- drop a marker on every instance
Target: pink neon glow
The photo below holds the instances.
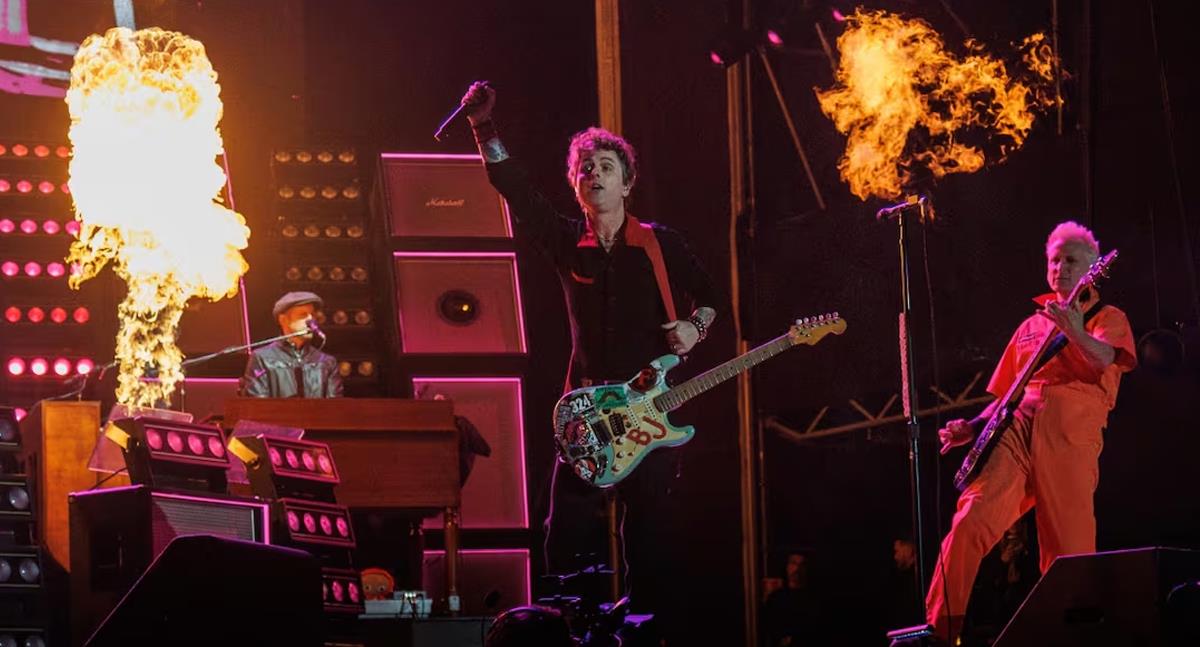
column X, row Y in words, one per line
column 293, row 520
column 352, row 589
column 58, row 315
column 774, row 38
column 343, row 528
column 16, row 366
column 520, row 397
column 65, row 188
column 276, row 459
column 21, row 413
column 324, row 463
column 28, row 226
column 33, row 268
column 215, row 447
column 175, row 441
column 46, row 187
column 81, row 315
column 154, row 439
column 195, row 444
column 293, row 461
column 63, row 152
column 10, row 268
column 515, row 276
column 338, row 594
column 4, row 186
column 839, row 16
column 310, row 522
column 36, row 314
column 7, row 226
column 39, row 366
column 62, row 366
column 24, row 186
column 12, row 314
column 41, row 150
column 715, row 58
column 84, row 366
column 72, row 227
column 56, row 269
column 326, row 524
column 51, row 227
column 310, row 463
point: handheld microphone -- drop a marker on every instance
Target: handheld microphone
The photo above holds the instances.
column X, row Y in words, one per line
column 437, row 136
column 909, row 202
column 316, row 330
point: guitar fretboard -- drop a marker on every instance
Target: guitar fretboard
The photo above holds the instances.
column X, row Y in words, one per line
column 674, row 398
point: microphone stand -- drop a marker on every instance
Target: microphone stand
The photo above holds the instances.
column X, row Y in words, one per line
column 908, row 388
column 100, row 370
column 229, row 351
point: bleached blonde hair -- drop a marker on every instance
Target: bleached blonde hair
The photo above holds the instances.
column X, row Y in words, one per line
column 1071, row 230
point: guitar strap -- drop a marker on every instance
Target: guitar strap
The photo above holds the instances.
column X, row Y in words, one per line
column 641, row 235
column 1060, row 340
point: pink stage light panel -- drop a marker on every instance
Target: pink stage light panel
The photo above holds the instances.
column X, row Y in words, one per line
column 495, row 494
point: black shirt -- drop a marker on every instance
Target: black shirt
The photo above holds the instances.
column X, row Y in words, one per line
column 613, row 299
column 283, row 371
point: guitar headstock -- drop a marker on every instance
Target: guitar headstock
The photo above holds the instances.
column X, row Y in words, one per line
column 811, row 330
column 1097, row 271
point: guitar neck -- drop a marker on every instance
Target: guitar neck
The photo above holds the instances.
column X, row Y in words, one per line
column 677, row 396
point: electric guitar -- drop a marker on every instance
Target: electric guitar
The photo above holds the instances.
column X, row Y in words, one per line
column 1002, row 416
column 604, row 432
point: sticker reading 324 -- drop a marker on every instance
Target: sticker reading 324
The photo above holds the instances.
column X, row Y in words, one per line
column 580, row 404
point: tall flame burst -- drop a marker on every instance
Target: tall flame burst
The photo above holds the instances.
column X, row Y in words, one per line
column 144, row 111
column 896, row 80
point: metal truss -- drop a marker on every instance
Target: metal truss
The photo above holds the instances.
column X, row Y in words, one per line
column 884, row 417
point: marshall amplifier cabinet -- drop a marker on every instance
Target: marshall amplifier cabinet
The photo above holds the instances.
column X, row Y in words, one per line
column 440, row 196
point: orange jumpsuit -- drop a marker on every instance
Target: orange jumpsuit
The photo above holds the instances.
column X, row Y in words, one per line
column 1048, row 458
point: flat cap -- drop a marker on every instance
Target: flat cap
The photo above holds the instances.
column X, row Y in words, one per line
column 295, row 299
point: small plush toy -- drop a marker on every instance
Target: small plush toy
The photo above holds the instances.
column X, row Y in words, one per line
column 378, row 584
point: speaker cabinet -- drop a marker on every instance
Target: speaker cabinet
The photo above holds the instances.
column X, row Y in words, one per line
column 441, row 196
column 488, row 580
column 57, row 442
column 206, row 590
column 116, row 533
column 459, row 303
column 494, row 495
column 1112, row 598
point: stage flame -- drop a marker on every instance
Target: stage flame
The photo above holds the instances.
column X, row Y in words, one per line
column 144, row 111
column 895, row 80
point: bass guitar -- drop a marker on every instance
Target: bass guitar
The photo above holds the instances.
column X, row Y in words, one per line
column 1002, row 415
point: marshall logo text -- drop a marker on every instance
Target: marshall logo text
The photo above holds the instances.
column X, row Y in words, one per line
column 445, row 202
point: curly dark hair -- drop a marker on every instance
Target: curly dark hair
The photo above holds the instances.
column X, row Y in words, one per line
column 599, row 139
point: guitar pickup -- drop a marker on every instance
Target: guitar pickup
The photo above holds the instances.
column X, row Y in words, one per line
column 618, row 424
column 600, row 428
